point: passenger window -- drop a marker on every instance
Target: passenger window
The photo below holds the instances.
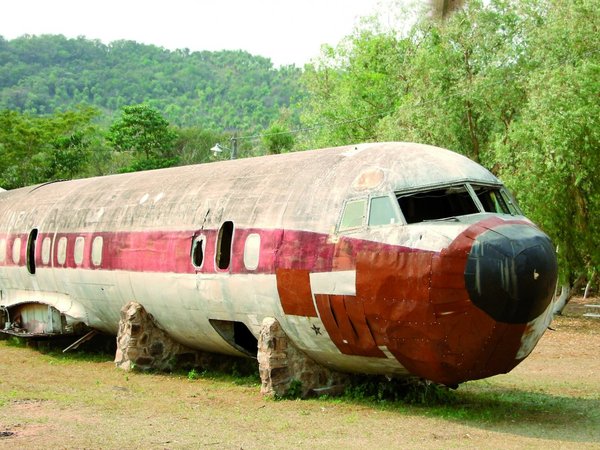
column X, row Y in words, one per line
column 46, row 246
column 16, row 251
column 198, row 247
column 252, row 251
column 97, row 245
column 2, row 250
column 61, row 251
column 31, row 251
column 382, row 212
column 354, row 214
column 78, row 250
column 224, row 241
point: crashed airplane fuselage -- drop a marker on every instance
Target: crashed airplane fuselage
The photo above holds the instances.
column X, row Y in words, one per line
column 386, row 258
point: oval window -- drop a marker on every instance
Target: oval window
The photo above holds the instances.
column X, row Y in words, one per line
column 97, row 245
column 61, row 251
column 252, row 251
column 46, row 246
column 78, row 250
column 224, row 241
column 16, row 251
column 2, row 250
column 198, row 247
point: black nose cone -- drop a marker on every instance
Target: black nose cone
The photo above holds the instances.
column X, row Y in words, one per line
column 511, row 273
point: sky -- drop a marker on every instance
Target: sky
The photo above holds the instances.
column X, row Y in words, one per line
column 286, row 31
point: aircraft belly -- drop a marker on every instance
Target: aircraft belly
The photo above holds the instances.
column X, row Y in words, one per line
column 183, row 304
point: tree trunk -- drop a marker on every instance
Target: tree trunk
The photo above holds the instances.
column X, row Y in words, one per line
column 562, row 300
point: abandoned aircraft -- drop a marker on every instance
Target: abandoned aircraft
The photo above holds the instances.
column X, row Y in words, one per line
column 379, row 258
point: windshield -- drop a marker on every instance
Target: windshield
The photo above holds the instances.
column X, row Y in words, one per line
column 454, row 201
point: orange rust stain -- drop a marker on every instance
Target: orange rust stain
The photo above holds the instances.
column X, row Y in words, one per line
column 295, row 294
column 394, row 287
column 345, row 325
column 369, row 180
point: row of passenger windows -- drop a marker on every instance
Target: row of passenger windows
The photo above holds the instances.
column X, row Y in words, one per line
column 223, row 250
column 46, row 250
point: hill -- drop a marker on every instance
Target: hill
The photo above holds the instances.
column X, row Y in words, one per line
column 211, row 90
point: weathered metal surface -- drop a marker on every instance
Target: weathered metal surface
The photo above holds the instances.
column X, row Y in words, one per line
column 387, row 298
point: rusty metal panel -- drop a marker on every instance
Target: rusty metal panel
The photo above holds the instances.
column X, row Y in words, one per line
column 295, row 293
column 345, row 322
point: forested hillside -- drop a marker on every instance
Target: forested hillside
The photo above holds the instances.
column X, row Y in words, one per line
column 212, row 90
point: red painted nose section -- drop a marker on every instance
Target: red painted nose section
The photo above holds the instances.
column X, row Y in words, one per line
column 460, row 339
column 421, row 306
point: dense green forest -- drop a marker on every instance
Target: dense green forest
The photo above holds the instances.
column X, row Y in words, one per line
column 514, row 85
column 211, row 90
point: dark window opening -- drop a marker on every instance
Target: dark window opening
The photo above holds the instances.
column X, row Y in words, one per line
column 224, row 245
column 437, row 204
column 198, row 252
column 31, row 251
column 510, row 202
column 491, row 199
column 237, row 335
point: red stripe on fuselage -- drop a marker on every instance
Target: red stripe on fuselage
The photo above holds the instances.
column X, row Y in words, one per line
column 170, row 251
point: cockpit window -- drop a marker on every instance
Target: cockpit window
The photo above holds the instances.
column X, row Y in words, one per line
column 510, row 202
column 454, row 201
column 491, row 199
column 437, row 204
column 354, row 214
column 382, row 211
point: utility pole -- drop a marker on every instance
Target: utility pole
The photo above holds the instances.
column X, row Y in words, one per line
column 233, row 147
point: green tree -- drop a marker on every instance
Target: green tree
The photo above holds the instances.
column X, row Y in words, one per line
column 220, row 90
column 68, row 156
column 351, row 87
column 143, row 132
column 35, row 149
column 277, row 139
column 552, row 156
column 464, row 81
column 193, row 145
